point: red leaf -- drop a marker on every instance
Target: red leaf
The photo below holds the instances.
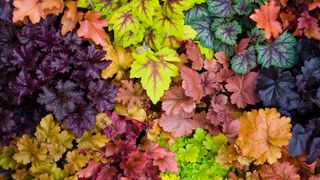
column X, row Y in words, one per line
column 222, row 58
column 194, row 55
column 178, row 125
column 191, row 83
column 241, row 47
column 175, row 102
column 243, row 89
column 212, row 65
column 209, row 84
column 223, row 74
column 135, row 165
column 308, row 25
column 92, row 28
column 90, row 171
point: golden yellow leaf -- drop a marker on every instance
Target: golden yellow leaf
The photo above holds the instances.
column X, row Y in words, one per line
column 121, row 61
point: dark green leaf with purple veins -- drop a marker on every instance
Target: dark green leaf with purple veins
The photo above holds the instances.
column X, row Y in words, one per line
column 243, row 7
column 280, row 53
column 243, row 63
column 205, row 35
column 220, row 8
column 197, row 13
column 219, row 46
column 227, row 33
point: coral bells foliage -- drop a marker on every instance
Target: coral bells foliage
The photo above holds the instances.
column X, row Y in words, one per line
column 42, row 71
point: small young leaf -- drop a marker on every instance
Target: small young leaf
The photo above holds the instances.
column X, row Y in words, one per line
column 280, row 53
column 243, row 63
column 220, row 8
column 197, row 13
column 227, row 33
column 243, row 7
column 256, row 35
column 205, row 35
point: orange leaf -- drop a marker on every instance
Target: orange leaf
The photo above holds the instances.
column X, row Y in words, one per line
column 315, row 4
column 70, row 18
column 262, row 133
column 266, row 18
column 279, row 171
column 52, row 6
column 286, row 18
column 92, row 28
column 27, row 8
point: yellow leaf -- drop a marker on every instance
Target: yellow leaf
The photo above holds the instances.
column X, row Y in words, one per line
column 47, row 130
column 75, row 161
column 134, row 113
column 6, row 158
column 29, row 151
column 88, row 140
column 121, row 61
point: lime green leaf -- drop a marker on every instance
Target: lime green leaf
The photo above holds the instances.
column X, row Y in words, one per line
column 83, row 4
column 145, row 10
column 29, row 151
column 189, row 32
column 227, row 33
column 197, row 13
column 243, row 63
column 130, row 38
column 208, row 53
column 175, row 8
column 123, row 21
column 154, row 39
column 6, row 158
column 205, row 35
column 280, row 53
column 169, row 176
column 46, row 169
column 155, row 70
column 166, row 24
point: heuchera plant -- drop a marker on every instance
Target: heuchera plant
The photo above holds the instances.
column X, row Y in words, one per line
column 44, row 72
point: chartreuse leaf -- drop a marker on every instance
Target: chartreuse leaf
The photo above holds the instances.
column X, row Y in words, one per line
column 155, row 70
column 196, row 156
column 243, row 63
column 197, row 13
column 205, row 35
column 6, row 158
column 145, row 10
column 208, row 53
column 220, row 8
column 280, row 53
column 154, row 39
column 166, row 24
column 46, row 170
column 75, row 161
column 175, row 8
column 125, row 25
column 130, row 38
column 227, row 33
column 90, row 140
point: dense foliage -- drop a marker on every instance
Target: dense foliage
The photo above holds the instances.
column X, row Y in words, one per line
column 159, row 89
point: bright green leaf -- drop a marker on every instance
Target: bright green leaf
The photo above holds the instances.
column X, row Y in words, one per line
column 145, row 10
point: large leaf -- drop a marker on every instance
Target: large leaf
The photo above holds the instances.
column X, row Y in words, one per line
column 280, row 53
column 175, row 8
column 243, row 63
column 227, row 33
column 197, row 13
column 155, row 70
column 220, row 8
column 205, row 35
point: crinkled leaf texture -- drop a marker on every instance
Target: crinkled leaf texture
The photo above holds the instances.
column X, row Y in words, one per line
column 263, row 132
column 155, row 70
column 280, row 53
